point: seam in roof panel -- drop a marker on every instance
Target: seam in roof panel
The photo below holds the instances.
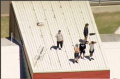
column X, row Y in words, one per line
column 35, row 33
column 50, row 28
column 97, row 33
column 84, row 13
column 58, row 18
column 40, row 29
column 60, row 53
column 53, row 44
column 86, row 21
column 68, row 37
column 28, row 31
column 66, row 31
column 37, row 16
column 15, row 9
column 77, row 32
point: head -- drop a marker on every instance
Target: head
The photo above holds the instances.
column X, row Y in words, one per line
column 86, row 25
column 59, row 31
column 76, row 45
column 83, row 42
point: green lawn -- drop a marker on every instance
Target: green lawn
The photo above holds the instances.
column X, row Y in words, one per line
column 5, row 26
column 107, row 23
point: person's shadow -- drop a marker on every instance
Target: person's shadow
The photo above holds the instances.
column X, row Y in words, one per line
column 72, row 60
column 87, row 57
column 53, row 47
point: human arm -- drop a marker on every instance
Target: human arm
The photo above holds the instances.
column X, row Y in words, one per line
column 62, row 37
column 95, row 42
column 84, row 47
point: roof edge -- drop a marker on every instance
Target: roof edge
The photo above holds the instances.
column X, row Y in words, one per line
column 60, row 71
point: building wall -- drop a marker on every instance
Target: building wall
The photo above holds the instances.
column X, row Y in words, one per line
column 72, row 75
column 27, row 70
column 11, row 20
column 10, row 60
column 14, row 28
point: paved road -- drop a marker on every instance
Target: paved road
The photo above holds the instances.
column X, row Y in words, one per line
column 5, row 7
column 118, row 30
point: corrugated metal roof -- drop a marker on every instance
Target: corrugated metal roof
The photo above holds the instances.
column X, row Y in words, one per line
column 68, row 16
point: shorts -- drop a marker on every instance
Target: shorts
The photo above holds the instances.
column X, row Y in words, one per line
column 82, row 52
column 91, row 51
column 76, row 55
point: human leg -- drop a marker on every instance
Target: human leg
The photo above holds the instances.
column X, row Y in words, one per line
column 76, row 55
column 57, row 44
column 80, row 54
column 83, row 54
column 61, row 43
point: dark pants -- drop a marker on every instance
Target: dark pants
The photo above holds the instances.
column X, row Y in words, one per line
column 82, row 51
column 59, row 42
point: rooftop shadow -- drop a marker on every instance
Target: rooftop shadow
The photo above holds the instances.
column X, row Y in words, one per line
column 72, row 60
column 53, row 47
column 87, row 57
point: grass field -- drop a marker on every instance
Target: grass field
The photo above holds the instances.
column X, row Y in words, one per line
column 5, row 26
column 107, row 23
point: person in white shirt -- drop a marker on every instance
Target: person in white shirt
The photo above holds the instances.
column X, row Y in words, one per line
column 91, row 51
column 59, row 37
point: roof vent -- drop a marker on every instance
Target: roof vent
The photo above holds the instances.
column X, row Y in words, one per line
column 40, row 23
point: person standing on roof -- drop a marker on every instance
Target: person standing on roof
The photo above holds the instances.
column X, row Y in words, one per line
column 91, row 51
column 59, row 37
column 76, row 54
column 82, row 48
column 86, row 32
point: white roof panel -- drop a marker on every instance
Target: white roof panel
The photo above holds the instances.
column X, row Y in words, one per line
column 69, row 17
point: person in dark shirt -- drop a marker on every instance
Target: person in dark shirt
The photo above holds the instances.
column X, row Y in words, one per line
column 82, row 48
column 86, row 32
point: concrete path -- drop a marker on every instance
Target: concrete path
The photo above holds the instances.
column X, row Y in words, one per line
column 112, row 52
column 20, row 70
column 110, row 8
column 111, row 47
column 118, row 30
column 4, row 8
column 10, row 60
column 110, row 37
